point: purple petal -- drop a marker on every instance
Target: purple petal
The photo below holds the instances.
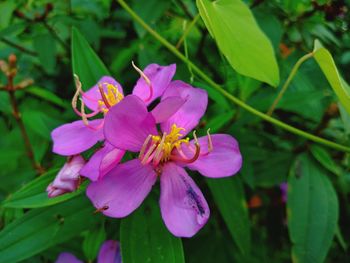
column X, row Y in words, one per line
column 166, row 108
column 109, row 252
column 104, row 160
column 183, row 207
column 189, row 115
column 160, row 77
column 74, row 138
column 93, row 95
column 224, row 160
column 128, row 124
column 123, row 189
column 67, row 258
column 67, row 179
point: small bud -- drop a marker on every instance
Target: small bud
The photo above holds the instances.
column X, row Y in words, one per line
column 67, row 180
column 12, row 60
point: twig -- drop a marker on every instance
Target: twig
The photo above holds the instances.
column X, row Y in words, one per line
column 11, row 89
column 20, row 48
column 289, row 79
column 187, row 31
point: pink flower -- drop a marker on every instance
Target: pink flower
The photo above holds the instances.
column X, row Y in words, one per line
column 109, row 253
column 129, row 126
column 67, row 179
column 79, row 136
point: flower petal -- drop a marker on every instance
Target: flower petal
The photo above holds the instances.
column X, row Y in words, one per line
column 67, row 258
column 93, row 95
column 128, row 123
column 224, row 160
column 109, row 252
column 183, row 207
column 166, row 108
column 189, row 115
column 73, row 138
column 104, row 160
column 123, row 189
column 160, row 77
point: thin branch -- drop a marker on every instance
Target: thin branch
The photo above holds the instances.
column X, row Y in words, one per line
column 289, row 79
column 187, row 31
column 228, row 95
column 19, row 47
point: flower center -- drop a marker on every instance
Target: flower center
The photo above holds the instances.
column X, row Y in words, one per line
column 109, row 99
column 160, row 149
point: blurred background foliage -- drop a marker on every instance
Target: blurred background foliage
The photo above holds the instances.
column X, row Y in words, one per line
column 248, row 221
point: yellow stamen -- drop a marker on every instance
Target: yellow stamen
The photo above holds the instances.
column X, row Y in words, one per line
column 109, row 99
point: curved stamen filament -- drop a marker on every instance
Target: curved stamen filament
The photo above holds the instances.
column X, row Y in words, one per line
column 158, row 153
column 103, row 95
column 210, row 143
column 147, row 155
column 183, row 159
column 144, row 146
column 143, row 75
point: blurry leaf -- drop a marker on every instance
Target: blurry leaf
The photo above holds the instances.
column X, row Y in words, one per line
column 229, row 196
column 42, row 228
column 123, row 58
column 93, row 242
column 340, row 239
column 45, row 45
column 150, row 13
column 47, row 95
column 13, row 29
column 325, row 159
column 326, row 63
column 86, row 64
column 312, row 210
column 144, row 237
column 39, row 123
column 7, row 8
column 247, row 86
column 217, row 122
column 345, row 118
column 214, row 95
column 33, row 194
column 249, row 51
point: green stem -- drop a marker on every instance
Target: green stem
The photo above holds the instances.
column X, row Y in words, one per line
column 232, row 98
column 289, row 79
column 187, row 31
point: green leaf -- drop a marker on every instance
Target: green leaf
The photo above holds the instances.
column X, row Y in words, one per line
column 325, row 159
column 42, row 228
column 7, row 8
column 312, row 210
column 33, row 194
column 45, row 45
column 144, row 238
column 85, row 62
column 93, row 242
column 47, row 95
column 248, row 50
column 326, row 63
column 229, row 196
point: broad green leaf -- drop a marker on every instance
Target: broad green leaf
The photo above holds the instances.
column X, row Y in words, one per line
column 93, row 241
column 144, row 237
column 246, row 47
column 45, row 45
column 39, row 123
column 42, row 228
column 229, row 196
column 326, row 63
column 85, row 62
column 7, row 8
column 151, row 13
column 215, row 123
column 47, row 95
column 325, row 159
column 33, row 194
column 312, row 210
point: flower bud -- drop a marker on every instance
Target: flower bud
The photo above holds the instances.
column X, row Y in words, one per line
column 67, row 180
